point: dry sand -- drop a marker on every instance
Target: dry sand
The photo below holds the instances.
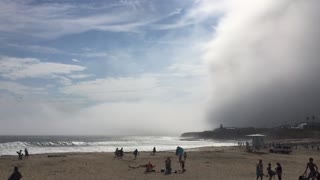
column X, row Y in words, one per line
column 208, row 163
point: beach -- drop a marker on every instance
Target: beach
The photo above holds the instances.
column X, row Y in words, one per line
column 204, row 163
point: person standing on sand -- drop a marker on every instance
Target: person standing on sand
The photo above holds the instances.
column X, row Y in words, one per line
column 15, row 175
column 313, row 169
column 121, row 152
column 259, row 169
column 154, row 151
column 271, row 173
column 116, row 153
column 135, row 153
column 182, row 165
column 279, row 171
column 168, row 166
column 26, row 153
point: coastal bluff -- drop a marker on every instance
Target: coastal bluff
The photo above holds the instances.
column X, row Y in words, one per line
column 240, row 133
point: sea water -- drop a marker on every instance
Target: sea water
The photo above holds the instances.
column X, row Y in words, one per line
column 9, row 145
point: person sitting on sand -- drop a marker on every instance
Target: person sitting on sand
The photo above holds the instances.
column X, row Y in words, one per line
column 271, row 173
column 279, row 171
column 15, row 175
column 168, row 166
column 26, row 153
column 259, row 170
column 149, row 167
column 313, row 168
column 135, row 153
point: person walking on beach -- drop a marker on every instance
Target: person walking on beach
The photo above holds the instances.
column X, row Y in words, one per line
column 313, row 168
column 259, row 169
column 279, row 171
column 135, row 153
column 20, row 154
column 16, row 175
column 271, row 173
column 168, row 166
column 26, row 153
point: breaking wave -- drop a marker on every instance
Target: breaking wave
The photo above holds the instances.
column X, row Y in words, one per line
column 60, row 144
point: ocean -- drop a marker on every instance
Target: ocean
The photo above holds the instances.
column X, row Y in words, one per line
column 9, row 145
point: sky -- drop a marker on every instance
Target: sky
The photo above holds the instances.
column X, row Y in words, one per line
column 156, row 67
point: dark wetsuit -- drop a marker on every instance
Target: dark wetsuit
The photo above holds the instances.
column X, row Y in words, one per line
column 259, row 170
column 15, row 176
column 279, row 172
column 271, row 173
column 313, row 171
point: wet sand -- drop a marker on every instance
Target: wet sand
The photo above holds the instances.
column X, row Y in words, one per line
column 206, row 163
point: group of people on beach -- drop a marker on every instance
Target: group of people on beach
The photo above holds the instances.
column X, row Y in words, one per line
column 181, row 153
column 312, row 175
column 168, row 168
column 271, row 173
column 118, row 153
column 20, row 154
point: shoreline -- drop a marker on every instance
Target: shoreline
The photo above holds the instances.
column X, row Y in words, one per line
column 125, row 152
column 303, row 141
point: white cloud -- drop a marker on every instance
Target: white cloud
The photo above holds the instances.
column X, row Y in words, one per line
column 36, row 48
column 80, row 76
column 187, row 70
column 200, row 12
column 57, row 19
column 94, row 54
column 53, row 20
column 116, row 89
column 17, row 68
column 177, row 11
column 122, row 118
column 14, row 87
column 75, row 60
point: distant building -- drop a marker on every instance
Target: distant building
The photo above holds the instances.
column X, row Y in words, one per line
column 302, row 126
column 307, row 125
column 257, row 140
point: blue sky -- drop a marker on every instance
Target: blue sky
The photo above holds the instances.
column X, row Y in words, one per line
column 84, row 54
column 155, row 66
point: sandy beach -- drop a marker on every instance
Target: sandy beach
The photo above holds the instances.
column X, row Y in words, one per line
column 204, row 163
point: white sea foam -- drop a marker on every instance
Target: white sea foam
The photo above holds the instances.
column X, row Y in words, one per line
column 39, row 145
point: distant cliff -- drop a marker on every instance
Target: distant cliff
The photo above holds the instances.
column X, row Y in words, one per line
column 240, row 133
